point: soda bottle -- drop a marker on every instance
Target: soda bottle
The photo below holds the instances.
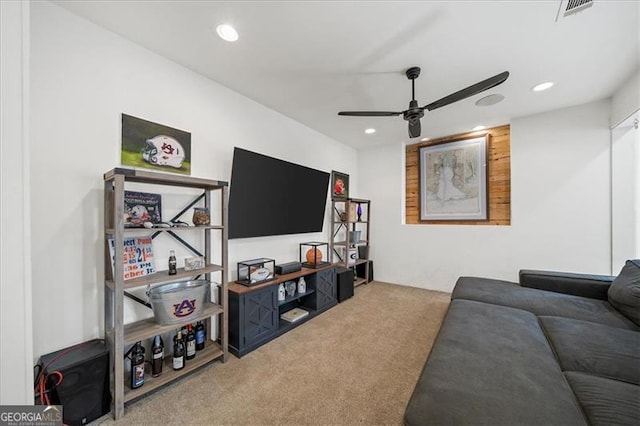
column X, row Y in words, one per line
column 173, row 263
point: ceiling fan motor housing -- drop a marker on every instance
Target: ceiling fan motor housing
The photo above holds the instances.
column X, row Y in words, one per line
column 414, row 112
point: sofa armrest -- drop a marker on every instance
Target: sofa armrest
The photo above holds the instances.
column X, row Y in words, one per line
column 584, row 285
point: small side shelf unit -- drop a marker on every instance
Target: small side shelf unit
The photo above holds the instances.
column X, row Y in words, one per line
column 350, row 231
column 119, row 335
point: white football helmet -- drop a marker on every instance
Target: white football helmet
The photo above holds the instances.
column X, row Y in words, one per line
column 163, row 151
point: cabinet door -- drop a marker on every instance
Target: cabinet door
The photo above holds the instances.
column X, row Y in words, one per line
column 260, row 315
column 326, row 288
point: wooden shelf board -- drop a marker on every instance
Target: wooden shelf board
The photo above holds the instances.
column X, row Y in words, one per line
column 359, row 281
column 211, row 352
column 112, row 231
column 351, row 265
column 147, row 328
column 164, row 277
column 344, row 222
column 242, row 289
column 352, row 200
column 344, row 243
column 142, row 176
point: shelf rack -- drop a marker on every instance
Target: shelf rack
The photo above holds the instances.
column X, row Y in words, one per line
column 118, row 334
column 344, row 221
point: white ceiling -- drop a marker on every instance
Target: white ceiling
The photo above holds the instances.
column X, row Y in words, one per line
column 309, row 60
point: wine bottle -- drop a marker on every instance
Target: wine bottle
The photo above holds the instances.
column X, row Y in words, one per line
column 178, row 352
column 201, row 336
column 191, row 342
column 137, row 366
column 173, row 263
column 157, row 352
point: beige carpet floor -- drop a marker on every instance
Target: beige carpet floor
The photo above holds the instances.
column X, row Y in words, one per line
column 356, row 363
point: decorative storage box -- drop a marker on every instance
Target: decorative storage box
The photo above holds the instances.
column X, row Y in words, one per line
column 313, row 254
column 256, row 271
column 193, row 263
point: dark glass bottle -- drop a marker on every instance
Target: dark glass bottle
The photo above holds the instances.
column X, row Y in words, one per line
column 137, row 366
column 201, row 336
column 157, row 351
column 191, row 342
column 173, row 263
column 178, row 352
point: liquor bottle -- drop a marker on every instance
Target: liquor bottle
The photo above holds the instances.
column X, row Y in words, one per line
column 157, row 351
column 201, row 336
column 184, row 331
column 137, row 366
column 173, row 263
column 191, row 342
column 178, row 352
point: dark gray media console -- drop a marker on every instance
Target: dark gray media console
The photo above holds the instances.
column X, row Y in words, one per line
column 254, row 312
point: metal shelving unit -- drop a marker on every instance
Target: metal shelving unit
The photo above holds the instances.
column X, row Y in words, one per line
column 118, row 334
column 344, row 221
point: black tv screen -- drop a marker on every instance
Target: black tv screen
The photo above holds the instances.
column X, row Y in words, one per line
column 269, row 196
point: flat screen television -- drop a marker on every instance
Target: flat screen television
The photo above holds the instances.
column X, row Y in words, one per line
column 268, row 196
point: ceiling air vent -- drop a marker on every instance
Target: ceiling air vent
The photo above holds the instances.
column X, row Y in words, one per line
column 572, row 6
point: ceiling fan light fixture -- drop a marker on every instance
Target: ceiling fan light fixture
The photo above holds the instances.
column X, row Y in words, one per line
column 490, row 100
column 227, row 32
column 542, row 86
column 370, row 131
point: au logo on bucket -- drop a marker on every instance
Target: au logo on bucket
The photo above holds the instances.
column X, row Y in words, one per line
column 184, row 308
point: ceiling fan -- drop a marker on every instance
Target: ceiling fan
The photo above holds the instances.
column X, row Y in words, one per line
column 415, row 112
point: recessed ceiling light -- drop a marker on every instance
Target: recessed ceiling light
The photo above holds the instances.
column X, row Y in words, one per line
column 475, row 129
column 542, row 86
column 227, row 32
column 370, row 131
column 490, row 100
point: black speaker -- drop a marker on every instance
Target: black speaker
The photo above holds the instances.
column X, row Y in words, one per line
column 361, row 271
column 287, row 268
column 345, row 283
column 84, row 391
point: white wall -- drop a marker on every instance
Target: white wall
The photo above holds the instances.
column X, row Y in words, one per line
column 82, row 79
column 560, row 208
column 16, row 331
column 626, row 100
column 625, row 195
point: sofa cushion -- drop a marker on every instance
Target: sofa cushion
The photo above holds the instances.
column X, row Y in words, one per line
column 491, row 365
column 594, row 348
column 605, row 401
column 540, row 302
column 624, row 293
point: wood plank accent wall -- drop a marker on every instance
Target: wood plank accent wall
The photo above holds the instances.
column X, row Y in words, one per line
column 498, row 176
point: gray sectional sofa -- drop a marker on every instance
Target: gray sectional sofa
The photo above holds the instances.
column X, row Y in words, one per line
column 555, row 349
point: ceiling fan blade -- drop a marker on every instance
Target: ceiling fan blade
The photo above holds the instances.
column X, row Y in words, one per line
column 469, row 91
column 370, row 113
column 414, row 128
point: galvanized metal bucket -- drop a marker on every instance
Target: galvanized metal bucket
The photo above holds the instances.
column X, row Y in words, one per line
column 176, row 302
column 354, row 237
